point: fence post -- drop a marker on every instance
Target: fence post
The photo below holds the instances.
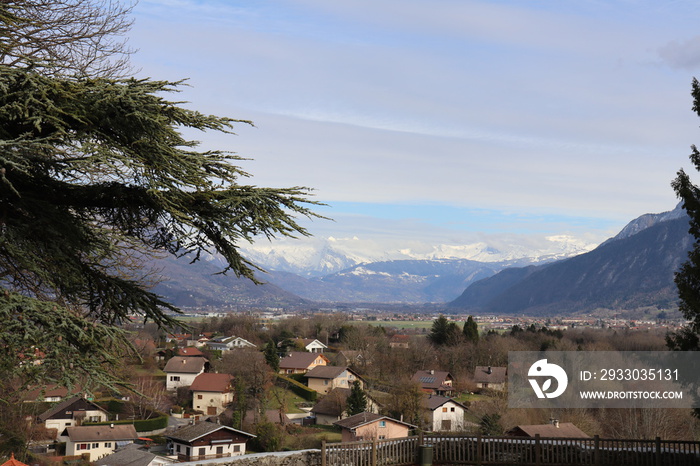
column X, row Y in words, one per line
column 658, row 451
column 323, row 452
column 596, row 450
column 538, row 458
column 478, row 450
column 374, row 452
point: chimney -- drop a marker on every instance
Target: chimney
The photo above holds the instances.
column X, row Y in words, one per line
column 555, row 422
column 432, row 371
column 488, row 371
column 111, row 426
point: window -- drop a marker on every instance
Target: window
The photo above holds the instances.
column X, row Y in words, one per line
column 95, row 445
column 199, row 397
column 83, row 446
column 452, row 409
column 108, row 444
column 382, row 437
column 177, row 448
column 444, row 410
column 382, row 423
column 236, row 448
column 202, row 451
column 325, row 382
column 174, row 378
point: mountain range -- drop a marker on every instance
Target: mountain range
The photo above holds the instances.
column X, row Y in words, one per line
column 631, row 270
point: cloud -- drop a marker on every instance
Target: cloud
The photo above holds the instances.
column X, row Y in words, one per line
column 683, row 55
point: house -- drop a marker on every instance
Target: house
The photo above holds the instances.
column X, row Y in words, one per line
column 493, row 378
column 98, row 441
column 182, row 370
column 308, row 344
column 311, row 345
column 324, row 378
column 301, row 362
column 71, row 412
column 50, row 394
column 553, row 429
column 399, row 341
column 331, row 408
column 444, row 414
column 207, row 440
column 434, row 382
column 351, row 358
column 370, row 426
column 211, row 393
column 133, row 455
column 229, row 343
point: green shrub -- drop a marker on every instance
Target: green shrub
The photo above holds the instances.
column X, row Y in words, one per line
column 296, row 387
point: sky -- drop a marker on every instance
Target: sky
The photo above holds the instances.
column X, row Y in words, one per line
column 443, row 120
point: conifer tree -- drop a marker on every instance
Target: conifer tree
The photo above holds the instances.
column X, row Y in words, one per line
column 443, row 332
column 357, row 401
column 271, row 356
column 687, row 278
column 94, row 176
column 471, row 330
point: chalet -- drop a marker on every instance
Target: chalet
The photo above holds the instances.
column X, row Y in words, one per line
column 207, row 440
column 71, row 412
column 301, row 362
column 553, row 429
column 444, row 414
column 493, row 378
column 370, row 426
column 307, row 344
column 98, row 441
column 351, row 358
column 211, row 393
column 325, row 378
column 182, row 370
column 434, row 382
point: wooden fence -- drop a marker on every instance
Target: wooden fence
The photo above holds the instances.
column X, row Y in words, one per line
column 456, row 449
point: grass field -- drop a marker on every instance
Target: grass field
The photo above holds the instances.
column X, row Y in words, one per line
column 415, row 324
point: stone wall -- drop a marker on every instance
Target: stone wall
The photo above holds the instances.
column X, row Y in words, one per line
column 286, row 458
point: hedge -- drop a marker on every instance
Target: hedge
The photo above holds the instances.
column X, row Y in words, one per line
column 298, row 388
column 141, row 425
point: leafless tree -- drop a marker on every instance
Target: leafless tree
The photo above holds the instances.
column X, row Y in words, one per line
column 67, row 37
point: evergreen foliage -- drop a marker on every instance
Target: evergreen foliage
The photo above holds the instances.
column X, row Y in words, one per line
column 471, row 330
column 443, row 332
column 271, row 357
column 687, row 279
column 94, row 175
column 357, row 401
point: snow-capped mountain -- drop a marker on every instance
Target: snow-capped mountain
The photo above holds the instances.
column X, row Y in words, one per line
column 316, row 257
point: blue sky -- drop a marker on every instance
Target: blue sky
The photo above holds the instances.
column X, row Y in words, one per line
column 463, row 117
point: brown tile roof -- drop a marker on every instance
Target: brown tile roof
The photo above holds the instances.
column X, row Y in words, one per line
column 102, row 433
column 431, row 379
column 300, row 360
column 189, row 351
column 564, row 430
column 496, row 375
column 209, row 382
column 185, row 365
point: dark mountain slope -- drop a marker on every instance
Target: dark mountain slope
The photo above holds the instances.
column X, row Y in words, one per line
column 626, row 273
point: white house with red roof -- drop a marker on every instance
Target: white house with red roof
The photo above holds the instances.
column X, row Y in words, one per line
column 212, row 393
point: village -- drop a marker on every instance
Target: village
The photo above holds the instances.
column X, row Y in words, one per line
column 239, row 384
